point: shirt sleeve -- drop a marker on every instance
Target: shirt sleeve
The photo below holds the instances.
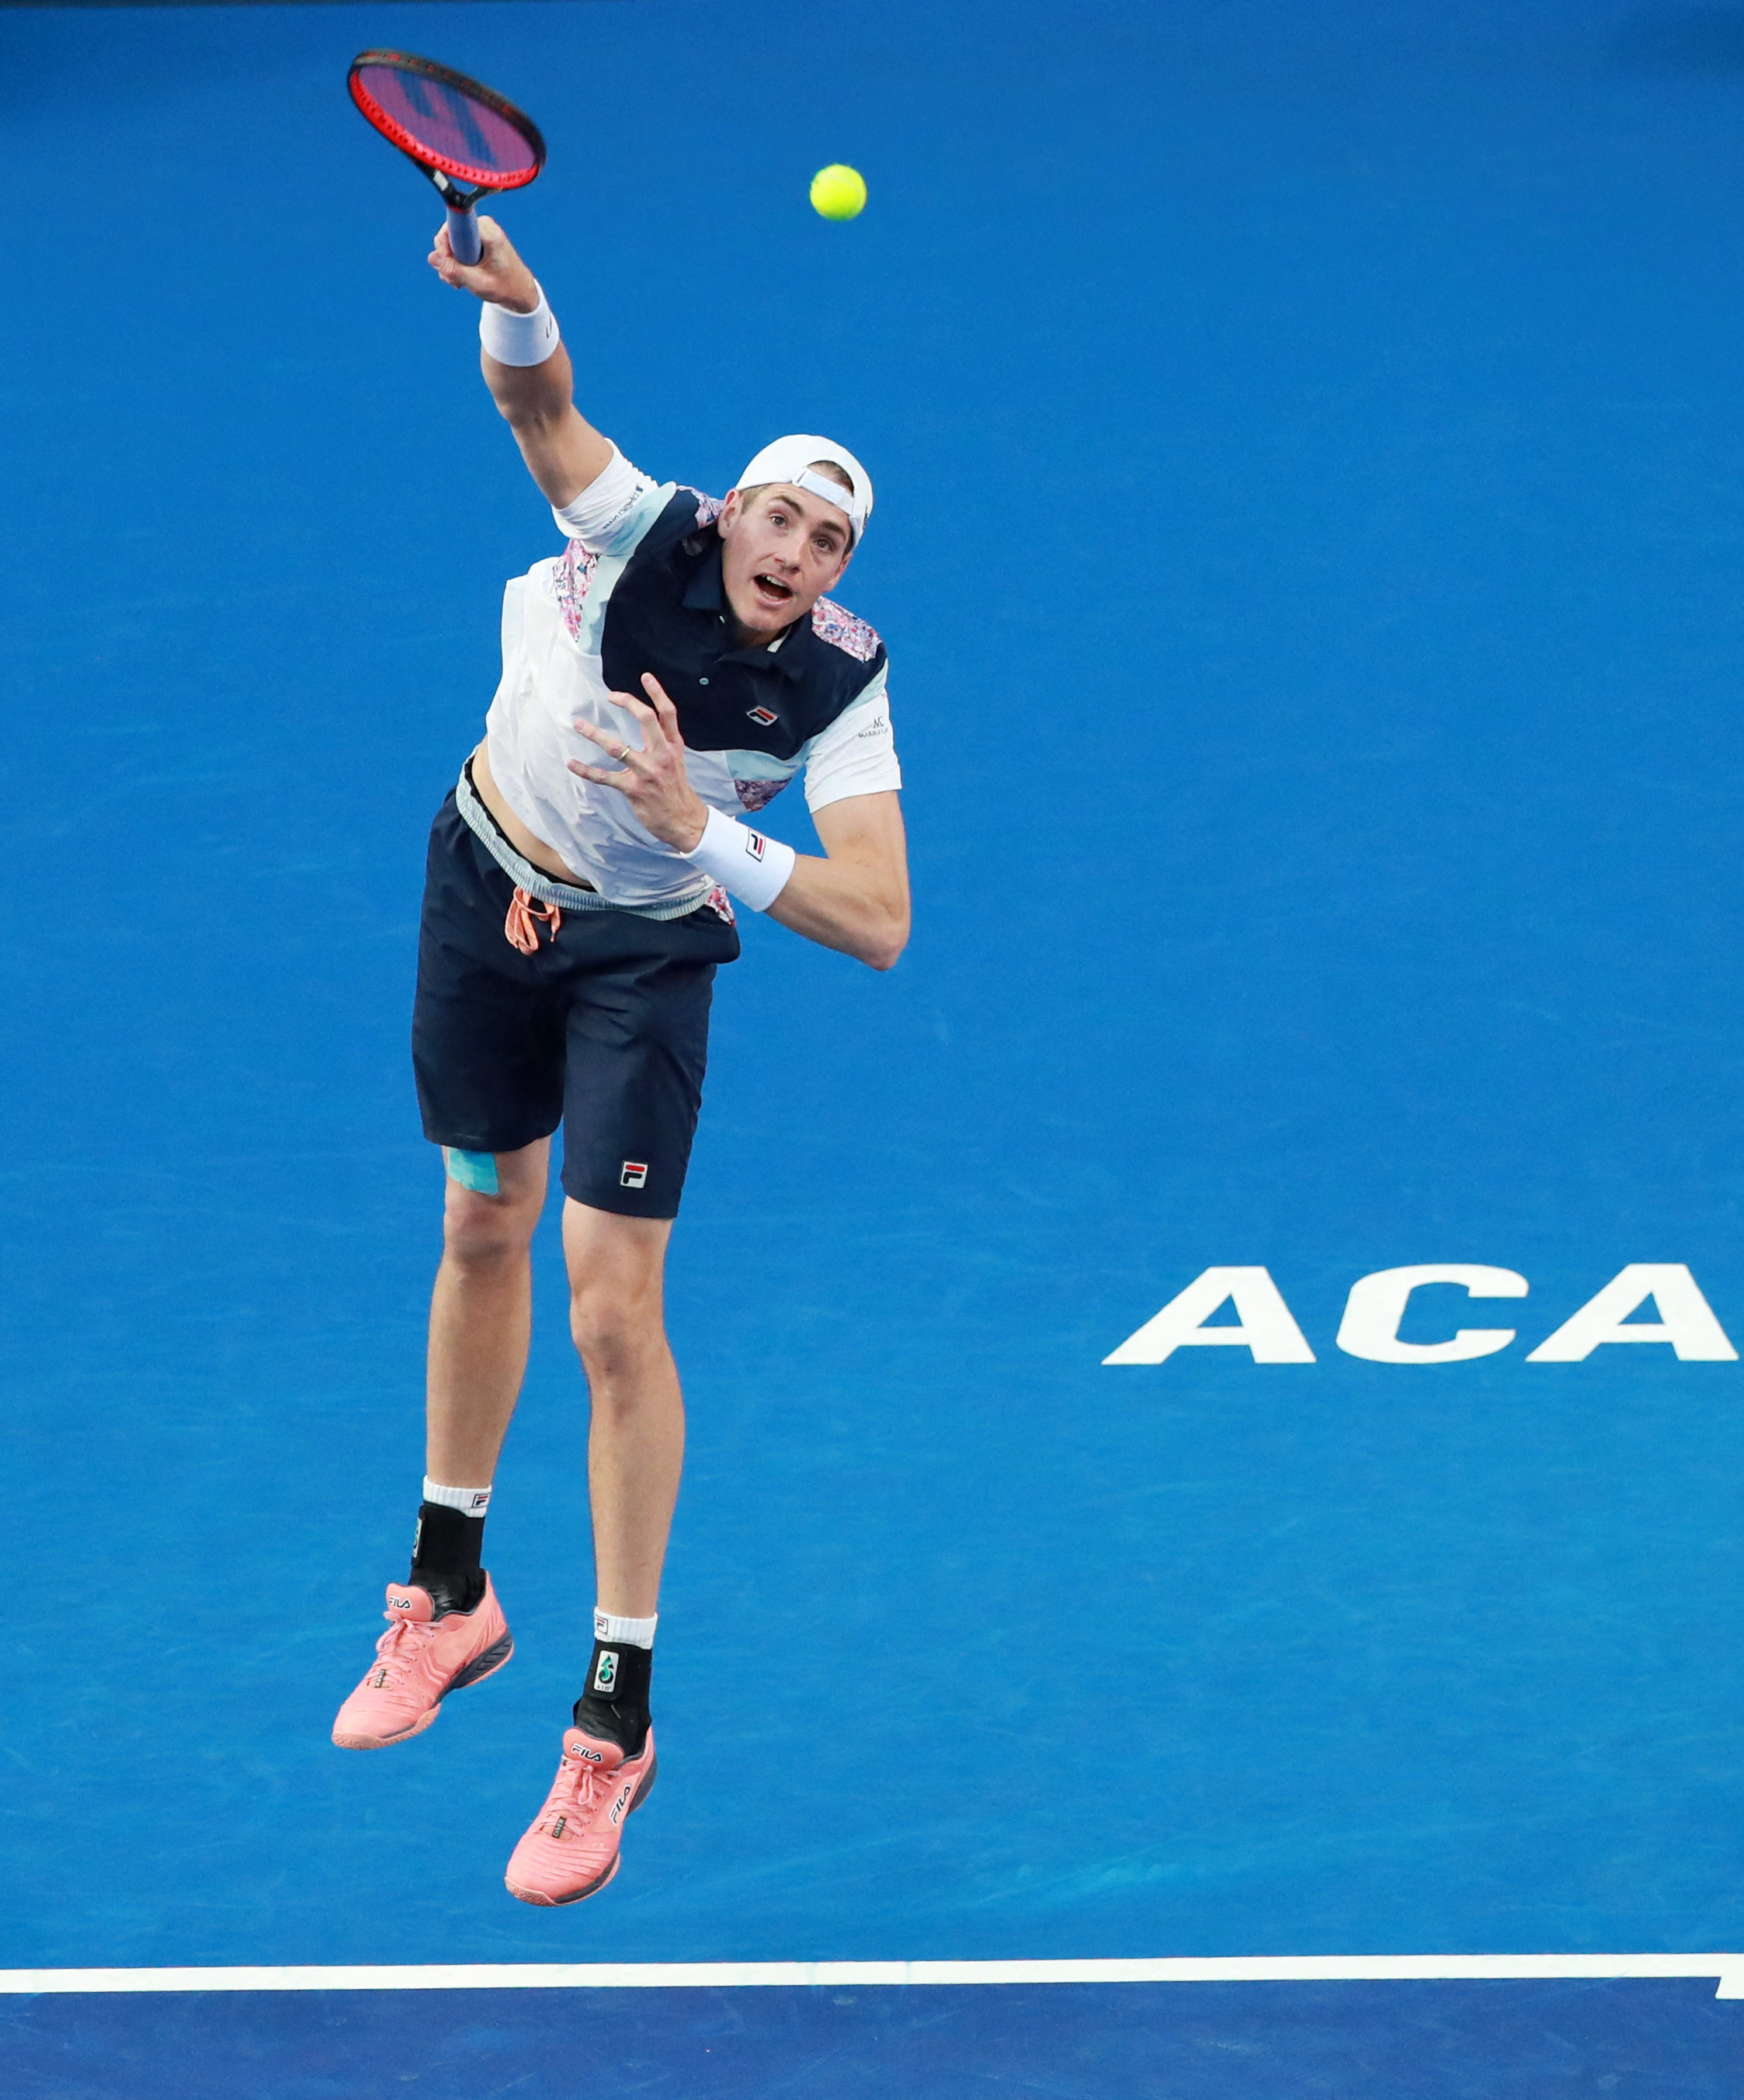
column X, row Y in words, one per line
column 607, row 508
column 857, row 755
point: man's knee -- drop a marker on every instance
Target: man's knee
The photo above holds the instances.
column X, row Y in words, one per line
column 616, row 1267
column 616, row 1324
column 479, row 1231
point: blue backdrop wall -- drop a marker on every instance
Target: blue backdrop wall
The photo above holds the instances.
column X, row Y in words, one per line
column 1309, row 517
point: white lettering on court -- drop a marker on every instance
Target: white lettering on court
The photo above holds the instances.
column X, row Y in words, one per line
column 1377, row 1305
column 1686, row 1319
column 1267, row 1328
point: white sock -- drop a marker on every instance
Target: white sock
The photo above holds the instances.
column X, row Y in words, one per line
column 639, row 1632
column 470, row 1501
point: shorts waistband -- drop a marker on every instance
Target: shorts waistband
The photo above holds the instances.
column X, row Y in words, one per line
column 523, row 873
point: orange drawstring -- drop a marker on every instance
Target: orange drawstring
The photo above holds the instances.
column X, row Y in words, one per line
column 521, row 927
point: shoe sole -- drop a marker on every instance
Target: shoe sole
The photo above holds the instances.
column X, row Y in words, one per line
column 480, row 1667
column 599, row 1882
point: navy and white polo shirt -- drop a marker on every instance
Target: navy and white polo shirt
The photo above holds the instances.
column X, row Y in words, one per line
column 639, row 589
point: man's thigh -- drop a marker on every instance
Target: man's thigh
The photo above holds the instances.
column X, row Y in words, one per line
column 488, row 1025
column 637, row 1050
column 620, row 1259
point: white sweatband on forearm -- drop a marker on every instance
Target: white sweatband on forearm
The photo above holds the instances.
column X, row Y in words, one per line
column 746, row 864
column 518, row 338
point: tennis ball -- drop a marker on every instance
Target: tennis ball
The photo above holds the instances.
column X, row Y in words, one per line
column 839, row 192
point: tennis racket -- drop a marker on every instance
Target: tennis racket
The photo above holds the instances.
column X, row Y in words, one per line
column 469, row 139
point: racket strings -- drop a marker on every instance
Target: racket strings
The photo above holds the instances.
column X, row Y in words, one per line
column 441, row 125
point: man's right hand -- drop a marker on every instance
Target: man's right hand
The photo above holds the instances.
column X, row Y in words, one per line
column 498, row 275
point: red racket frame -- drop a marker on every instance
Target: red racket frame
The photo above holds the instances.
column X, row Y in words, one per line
column 489, row 180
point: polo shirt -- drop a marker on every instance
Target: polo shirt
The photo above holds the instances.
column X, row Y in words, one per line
column 642, row 592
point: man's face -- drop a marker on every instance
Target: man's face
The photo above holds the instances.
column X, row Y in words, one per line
column 781, row 553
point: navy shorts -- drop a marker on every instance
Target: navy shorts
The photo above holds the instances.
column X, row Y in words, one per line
column 605, row 1030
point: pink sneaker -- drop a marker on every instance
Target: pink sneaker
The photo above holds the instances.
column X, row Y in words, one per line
column 571, row 1852
column 419, row 1660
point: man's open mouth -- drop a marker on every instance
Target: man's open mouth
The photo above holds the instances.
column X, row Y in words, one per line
column 774, row 588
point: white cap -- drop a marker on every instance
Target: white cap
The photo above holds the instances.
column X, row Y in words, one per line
column 789, row 460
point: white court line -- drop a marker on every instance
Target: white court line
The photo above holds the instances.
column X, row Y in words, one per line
column 1728, row 1969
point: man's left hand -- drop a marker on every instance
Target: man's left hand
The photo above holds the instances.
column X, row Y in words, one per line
column 652, row 780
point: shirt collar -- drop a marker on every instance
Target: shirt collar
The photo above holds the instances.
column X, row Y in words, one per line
column 707, row 592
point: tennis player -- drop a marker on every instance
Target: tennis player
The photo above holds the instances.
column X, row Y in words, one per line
column 677, row 666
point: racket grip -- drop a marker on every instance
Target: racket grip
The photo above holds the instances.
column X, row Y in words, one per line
column 465, row 244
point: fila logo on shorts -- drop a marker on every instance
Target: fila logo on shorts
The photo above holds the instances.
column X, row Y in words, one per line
column 755, row 843
column 763, row 717
column 634, row 1174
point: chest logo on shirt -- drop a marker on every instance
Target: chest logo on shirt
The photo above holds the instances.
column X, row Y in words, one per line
column 762, row 717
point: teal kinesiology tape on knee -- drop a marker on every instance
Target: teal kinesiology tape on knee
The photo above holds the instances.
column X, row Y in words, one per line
column 472, row 1169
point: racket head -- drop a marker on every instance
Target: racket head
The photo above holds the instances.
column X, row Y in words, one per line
column 448, row 123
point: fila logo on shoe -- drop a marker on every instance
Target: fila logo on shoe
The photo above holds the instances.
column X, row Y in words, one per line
column 400, row 1604
column 618, row 1805
column 762, row 717
column 588, row 1757
column 634, row 1174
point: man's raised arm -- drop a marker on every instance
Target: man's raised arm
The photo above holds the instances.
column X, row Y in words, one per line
column 564, row 453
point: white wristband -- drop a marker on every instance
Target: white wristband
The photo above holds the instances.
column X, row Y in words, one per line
column 518, row 338
column 750, row 867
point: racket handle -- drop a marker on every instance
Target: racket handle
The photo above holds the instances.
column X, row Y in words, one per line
column 465, row 244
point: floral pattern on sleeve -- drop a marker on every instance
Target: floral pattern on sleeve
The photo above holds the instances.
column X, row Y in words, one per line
column 834, row 623
column 575, row 573
column 758, row 794
column 709, row 508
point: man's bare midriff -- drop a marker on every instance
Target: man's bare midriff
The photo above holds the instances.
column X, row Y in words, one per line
column 529, row 848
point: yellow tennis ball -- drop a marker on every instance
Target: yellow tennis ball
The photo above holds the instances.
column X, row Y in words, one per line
column 839, row 192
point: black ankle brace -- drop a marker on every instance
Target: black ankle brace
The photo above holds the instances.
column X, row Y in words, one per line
column 445, row 1555
column 615, row 1703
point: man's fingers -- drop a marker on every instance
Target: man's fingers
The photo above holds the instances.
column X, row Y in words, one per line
column 612, row 744
column 604, row 738
column 663, row 708
column 597, row 773
column 442, row 259
column 639, row 708
column 497, row 260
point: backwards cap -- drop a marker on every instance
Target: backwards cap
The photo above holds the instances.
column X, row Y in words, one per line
column 790, row 460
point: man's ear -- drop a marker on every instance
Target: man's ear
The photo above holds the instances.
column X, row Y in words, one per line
column 730, row 511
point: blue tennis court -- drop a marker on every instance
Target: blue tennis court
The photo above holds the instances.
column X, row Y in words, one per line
column 1311, row 515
